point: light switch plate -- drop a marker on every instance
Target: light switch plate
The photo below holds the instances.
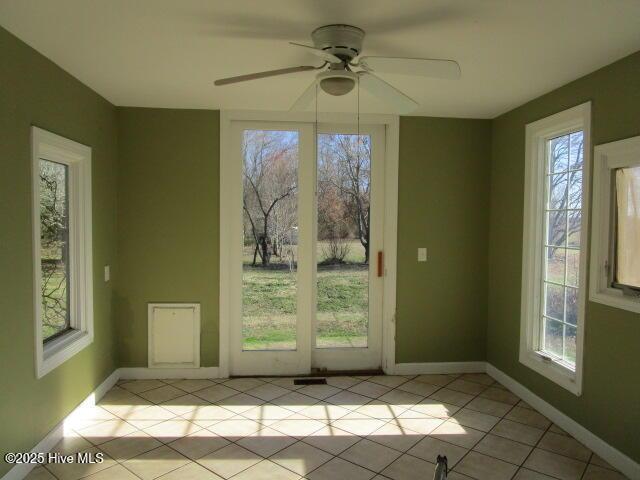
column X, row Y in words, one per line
column 107, row 273
column 422, row 254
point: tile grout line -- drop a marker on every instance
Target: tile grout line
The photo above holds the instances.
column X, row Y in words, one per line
column 234, row 442
column 533, row 450
column 446, row 420
column 586, row 467
column 330, row 422
column 389, row 421
column 298, row 440
column 471, row 449
column 240, row 414
column 342, row 389
column 545, row 431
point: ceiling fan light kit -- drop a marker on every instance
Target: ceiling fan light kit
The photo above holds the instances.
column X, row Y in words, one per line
column 337, row 82
column 340, row 47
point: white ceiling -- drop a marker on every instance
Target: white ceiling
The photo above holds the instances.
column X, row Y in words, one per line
column 166, row 53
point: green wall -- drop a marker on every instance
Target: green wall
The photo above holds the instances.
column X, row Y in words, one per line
column 168, row 230
column 34, row 91
column 443, row 204
column 168, row 227
column 610, row 403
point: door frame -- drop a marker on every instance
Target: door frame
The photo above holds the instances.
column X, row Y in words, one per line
column 227, row 169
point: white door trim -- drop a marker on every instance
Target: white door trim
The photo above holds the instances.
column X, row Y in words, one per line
column 390, row 241
column 392, row 126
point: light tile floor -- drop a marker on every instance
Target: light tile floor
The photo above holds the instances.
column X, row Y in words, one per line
column 381, row 427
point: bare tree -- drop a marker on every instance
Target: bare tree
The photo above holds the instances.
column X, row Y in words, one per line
column 270, row 184
column 54, row 244
column 565, row 189
column 344, row 171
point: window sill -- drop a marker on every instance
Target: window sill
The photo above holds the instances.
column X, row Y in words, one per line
column 614, row 297
column 58, row 351
column 556, row 371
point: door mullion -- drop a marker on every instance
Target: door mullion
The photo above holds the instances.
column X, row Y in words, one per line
column 306, row 244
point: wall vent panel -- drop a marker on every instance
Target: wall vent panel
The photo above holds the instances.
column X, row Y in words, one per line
column 174, row 335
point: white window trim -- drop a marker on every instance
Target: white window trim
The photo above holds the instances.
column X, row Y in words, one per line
column 607, row 158
column 537, row 134
column 49, row 146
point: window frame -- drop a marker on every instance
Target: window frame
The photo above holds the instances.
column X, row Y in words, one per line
column 538, row 133
column 77, row 157
column 608, row 158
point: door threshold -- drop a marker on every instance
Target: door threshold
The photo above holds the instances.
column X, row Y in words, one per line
column 319, row 373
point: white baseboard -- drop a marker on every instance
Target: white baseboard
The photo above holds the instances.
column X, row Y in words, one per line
column 104, row 387
column 439, row 367
column 612, row 455
column 18, row 472
column 141, row 373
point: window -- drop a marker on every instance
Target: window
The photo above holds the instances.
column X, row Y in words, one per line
column 626, row 264
column 615, row 252
column 554, row 254
column 62, row 248
column 54, row 249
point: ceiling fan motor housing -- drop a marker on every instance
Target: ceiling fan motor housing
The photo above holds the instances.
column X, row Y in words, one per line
column 343, row 41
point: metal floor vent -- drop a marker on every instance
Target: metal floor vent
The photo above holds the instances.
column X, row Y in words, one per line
column 310, row 381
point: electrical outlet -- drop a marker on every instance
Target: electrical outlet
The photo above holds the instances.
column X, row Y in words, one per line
column 107, row 273
column 422, row 254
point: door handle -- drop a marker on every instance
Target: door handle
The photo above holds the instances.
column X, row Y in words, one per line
column 380, row 264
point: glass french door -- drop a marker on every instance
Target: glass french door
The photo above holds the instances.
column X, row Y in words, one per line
column 349, row 262
column 306, row 252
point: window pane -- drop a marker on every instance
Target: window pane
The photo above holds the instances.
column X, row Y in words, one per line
column 575, row 189
column 555, row 264
column 570, row 334
column 554, row 301
column 269, row 264
column 54, row 248
column 557, row 191
column 557, row 228
column 552, row 337
column 576, row 150
column 559, row 154
column 574, row 218
column 572, row 306
column 344, row 185
column 573, row 267
column 628, row 234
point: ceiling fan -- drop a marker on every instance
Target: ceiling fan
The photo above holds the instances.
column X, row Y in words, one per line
column 340, row 47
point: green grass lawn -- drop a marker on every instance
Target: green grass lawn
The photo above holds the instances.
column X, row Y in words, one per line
column 559, row 270
column 269, row 304
column 355, row 254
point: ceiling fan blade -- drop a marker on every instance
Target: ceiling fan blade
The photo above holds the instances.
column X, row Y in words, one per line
column 424, row 67
column 269, row 73
column 304, row 100
column 326, row 56
column 381, row 89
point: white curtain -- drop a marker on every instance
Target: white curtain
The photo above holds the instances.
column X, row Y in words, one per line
column 628, row 193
